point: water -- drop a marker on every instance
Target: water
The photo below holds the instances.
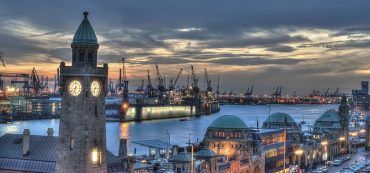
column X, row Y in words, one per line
column 181, row 131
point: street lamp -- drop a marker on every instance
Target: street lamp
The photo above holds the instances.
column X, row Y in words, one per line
column 324, row 156
column 299, row 152
column 341, row 139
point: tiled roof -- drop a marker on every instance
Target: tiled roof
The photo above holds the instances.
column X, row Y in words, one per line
column 330, row 115
column 42, row 154
column 280, row 117
column 228, row 122
column 85, row 33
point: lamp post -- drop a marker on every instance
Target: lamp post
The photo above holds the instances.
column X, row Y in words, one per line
column 324, row 144
column 299, row 153
column 341, row 139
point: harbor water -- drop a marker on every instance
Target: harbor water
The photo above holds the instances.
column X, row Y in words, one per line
column 180, row 131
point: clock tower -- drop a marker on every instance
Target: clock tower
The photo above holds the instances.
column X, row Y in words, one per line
column 83, row 86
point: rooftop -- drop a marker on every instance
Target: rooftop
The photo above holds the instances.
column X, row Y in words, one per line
column 228, row 122
column 279, row 117
column 85, row 33
column 42, row 154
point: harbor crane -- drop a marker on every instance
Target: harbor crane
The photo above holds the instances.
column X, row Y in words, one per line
column 149, row 88
column 173, row 81
column 161, row 87
column 249, row 92
column 194, row 84
column 125, row 82
column 208, row 82
column 277, row 93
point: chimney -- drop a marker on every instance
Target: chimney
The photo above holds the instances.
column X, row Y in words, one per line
column 50, row 132
column 122, row 152
column 26, row 142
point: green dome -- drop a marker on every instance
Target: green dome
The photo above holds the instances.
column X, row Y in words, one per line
column 330, row 115
column 85, row 33
column 279, row 117
column 228, row 122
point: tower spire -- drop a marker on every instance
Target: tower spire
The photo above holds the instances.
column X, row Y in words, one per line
column 85, row 13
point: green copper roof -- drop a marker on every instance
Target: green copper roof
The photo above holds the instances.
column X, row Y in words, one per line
column 228, row 122
column 330, row 115
column 279, row 117
column 85, row 33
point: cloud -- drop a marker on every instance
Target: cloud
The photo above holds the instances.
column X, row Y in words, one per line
column 281, row 48
column 299, row 43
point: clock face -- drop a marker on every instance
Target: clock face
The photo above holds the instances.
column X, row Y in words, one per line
column 75, row 88
column 95, row 88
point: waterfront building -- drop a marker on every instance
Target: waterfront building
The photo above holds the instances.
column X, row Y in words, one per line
column 273, row 150
column 361, row 98
column 235, row 144
column 283, row 121
column 331, row 130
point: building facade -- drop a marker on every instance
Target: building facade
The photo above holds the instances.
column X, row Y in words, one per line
column 331, row 130
column 235, row 145
column 82, row 142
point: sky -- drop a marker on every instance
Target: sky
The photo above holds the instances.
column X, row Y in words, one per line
column 301, row 45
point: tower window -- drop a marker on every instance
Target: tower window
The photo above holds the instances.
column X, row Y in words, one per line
column 71, row 143
column 90, row 57
column 96, row 156
column 74, row 57
column 82, row 57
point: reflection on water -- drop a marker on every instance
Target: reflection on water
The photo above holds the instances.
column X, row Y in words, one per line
column 180, row 131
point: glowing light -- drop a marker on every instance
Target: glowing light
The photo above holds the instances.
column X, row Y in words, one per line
column 299, row 152
column 342, row 138
column 324, row 143
column 95, row 156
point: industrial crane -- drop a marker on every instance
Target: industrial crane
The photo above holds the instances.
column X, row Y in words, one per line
column 208, row 82
column 125, row 82
column 174, row 81
column 194, row 84
column 149, row 87
column 161, row 87
column 249, row 92
column 277, row 92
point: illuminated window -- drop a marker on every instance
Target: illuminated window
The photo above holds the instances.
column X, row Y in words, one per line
column 96, row 156
column 71, row 143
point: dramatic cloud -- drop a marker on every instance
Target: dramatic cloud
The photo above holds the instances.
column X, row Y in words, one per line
column 301, row 45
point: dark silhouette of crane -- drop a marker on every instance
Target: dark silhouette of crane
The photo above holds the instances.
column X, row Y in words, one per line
column 173, row 81
column 208, row 82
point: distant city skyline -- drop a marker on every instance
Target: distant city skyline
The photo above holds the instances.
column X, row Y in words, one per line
column 299, row 45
